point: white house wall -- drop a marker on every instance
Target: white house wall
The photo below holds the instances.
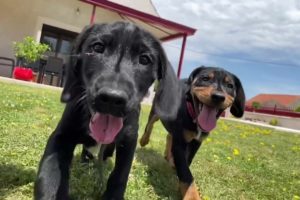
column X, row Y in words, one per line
column 19, row 18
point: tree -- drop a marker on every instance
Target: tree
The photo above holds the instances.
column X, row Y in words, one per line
column 256, row 105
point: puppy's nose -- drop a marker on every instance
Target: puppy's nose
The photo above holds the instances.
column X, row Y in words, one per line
column 111, row 98
column 218, row 97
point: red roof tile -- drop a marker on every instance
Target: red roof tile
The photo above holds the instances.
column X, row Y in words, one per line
column 284, row 100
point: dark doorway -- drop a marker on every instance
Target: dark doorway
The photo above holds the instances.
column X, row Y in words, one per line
column 59, row 40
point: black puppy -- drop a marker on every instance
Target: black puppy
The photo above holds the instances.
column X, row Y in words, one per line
column 205, row 95
column 114, row 67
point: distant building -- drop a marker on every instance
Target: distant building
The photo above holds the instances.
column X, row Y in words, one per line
column 281, row 101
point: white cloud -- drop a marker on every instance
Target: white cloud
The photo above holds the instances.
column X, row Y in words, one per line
column 293, row 15
column 253, row 28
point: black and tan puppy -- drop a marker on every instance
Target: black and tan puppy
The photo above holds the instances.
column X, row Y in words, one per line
column 111, row 70
column 205, row 95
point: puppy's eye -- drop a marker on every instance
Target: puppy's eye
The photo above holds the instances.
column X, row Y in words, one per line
column 229, row 85
column 205, row 78
column 145, row 60
column 98, row 47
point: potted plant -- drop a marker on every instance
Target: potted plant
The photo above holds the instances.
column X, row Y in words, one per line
column 27, row 52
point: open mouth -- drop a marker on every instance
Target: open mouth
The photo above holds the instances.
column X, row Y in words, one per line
column 105, row 127
column 206, row 116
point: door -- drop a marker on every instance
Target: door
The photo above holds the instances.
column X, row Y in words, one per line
column 59, row 40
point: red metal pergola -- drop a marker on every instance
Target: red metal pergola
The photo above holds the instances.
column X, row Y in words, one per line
column 169, row 30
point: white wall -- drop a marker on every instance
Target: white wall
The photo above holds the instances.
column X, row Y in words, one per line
column 20, row 18
column 288, row 122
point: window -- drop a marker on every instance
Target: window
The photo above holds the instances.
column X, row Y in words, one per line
column 59, row 40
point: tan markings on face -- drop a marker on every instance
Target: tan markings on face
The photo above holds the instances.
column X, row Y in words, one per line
column 227, row 79
column 211, row 75
column 228, row 101
column 203, row 94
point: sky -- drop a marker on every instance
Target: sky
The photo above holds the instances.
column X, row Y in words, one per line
column 259, row 41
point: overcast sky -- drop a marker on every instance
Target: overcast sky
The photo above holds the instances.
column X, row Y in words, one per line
column 257, row 40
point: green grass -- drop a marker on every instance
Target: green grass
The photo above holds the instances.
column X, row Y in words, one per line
column 237, row 161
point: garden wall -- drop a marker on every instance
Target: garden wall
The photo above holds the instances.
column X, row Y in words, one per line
column 287, row 122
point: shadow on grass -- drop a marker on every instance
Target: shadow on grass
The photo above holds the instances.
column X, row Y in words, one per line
column 12, row 176
column 159, row 174
column 88, row 180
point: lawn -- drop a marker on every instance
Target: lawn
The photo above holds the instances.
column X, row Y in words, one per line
column 237, row 161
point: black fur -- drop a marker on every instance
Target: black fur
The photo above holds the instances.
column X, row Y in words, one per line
column 120, row 58
column 183, row 151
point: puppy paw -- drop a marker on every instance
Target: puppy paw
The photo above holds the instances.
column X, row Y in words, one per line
column 189, row 192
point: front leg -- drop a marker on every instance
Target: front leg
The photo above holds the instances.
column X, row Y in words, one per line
column 118, row 178
column 188, row 188
column 53, row 175
column 192, row 149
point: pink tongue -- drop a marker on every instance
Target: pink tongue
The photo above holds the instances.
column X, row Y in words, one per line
column 207, row 119
column 105, row 127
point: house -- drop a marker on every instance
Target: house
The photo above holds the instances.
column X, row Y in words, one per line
column 58, row 22
column 280, row 101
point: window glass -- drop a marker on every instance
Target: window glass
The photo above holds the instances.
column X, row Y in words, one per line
column 65, row 47
column 51, row 41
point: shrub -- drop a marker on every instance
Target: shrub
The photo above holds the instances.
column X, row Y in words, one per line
column 297, row 109
column 256, row 105
column 273, row 122
column 29, row 49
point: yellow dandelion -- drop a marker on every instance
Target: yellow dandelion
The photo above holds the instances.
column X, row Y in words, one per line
column 236, row 152
column 296, row 197
column 206, row 197
column 208, row 140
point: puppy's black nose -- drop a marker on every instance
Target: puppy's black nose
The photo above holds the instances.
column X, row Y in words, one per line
column 218, row 97
column 111, row 98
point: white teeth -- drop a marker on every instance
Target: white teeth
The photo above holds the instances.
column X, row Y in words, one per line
column 200, row 106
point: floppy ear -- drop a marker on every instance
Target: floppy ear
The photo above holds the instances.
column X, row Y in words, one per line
column 238, row 106
column 168, row 94
column 72, row 80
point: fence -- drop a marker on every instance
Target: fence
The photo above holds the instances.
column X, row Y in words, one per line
column 274, row 111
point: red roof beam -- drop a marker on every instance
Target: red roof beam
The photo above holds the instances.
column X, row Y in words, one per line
column 141, row 15
column 172, row 37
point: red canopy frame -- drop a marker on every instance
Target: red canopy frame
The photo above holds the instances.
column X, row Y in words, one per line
column 184, row 31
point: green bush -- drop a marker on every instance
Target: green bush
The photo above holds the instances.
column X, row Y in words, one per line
column 29, row 49
column 273, row 122
column 297, row 109
column 256, row 105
